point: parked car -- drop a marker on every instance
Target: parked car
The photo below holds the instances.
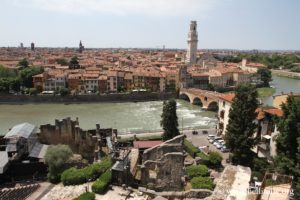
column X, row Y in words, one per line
column 216, row 140
column 210, row 136
column 211, row 140
column 204, row 132
column 219, row 146
column 224, row 149
column 222, row 142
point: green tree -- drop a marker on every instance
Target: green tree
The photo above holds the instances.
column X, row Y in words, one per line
column 4, row 85
column 64, row 91
column 56, row 158
column 32, row 91
column 7, row 73
column 26, row 75
column 169, row 121
column 241, row 126
column 265, row 76
column 215, row 159
column 62, row 61
column 23, row 63
column 288, row 141
column 15, row 84
column 74, row 64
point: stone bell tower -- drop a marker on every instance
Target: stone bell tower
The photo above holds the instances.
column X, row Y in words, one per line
column 191, row 55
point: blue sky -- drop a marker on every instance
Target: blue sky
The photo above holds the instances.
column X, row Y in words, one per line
column 230, row 24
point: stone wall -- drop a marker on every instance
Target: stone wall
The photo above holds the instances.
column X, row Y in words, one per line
column 84, row 142
column 189, row 194
column 162, row 165
column 10, row 99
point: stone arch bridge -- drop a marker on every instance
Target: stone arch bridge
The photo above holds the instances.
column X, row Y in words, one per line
column 206, row 99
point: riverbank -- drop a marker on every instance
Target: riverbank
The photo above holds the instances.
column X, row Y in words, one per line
column 285, row 73
column 265, row 92
column 154, row 135
column 133, row 97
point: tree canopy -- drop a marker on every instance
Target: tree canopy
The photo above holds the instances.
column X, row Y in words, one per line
column 169, row 121
column 241, row 126
column 62, row 61
column 273, row 61
column 56, row 158
column 74, row 64
column 265, row 76
column 26, row 75
column 23, row 63
column 288, row 141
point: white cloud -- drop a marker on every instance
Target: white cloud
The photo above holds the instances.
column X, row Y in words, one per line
column 125, row 7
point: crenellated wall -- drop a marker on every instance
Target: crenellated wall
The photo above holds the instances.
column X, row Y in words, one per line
column 85, row 142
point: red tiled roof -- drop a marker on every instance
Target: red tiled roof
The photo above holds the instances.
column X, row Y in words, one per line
column 145, row 144
column 275, row 111
column 228, row 97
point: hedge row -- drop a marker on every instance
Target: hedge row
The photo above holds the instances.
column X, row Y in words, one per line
column 190, row 148
column 75, row 176
column 197, row 170
column 202, row 183
column 86, row 196
column 101, row 184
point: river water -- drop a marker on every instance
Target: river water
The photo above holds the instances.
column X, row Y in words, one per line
column 282, row 84
column 126, row 117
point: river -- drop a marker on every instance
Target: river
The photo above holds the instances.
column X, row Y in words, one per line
column 126, row 117
column 282, row 84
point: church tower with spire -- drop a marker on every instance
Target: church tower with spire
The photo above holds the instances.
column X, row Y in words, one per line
column 191, row 55
column 81, row 47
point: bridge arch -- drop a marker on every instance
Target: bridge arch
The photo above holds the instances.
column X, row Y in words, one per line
column 197, row 101
column 213, row 106
column 184, row 97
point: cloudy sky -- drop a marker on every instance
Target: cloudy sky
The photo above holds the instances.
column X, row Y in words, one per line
column 231, row 24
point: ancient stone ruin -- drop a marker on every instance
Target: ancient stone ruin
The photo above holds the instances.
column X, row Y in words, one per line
column 162, row 165
column 88, row 143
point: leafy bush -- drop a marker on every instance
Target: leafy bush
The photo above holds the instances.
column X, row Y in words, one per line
column 202, row 183
column 100, row 186
column 202, row 155
column 64, row 92
column 197, row 170
column 32, row 91
column 56, row 158
column 215, row 159
column 190, row 148
column 86, row 196
column 258, row 175
column 75, row 176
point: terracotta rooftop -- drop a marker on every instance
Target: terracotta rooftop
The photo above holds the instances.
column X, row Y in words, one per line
column 274, row 111
column 228, row 97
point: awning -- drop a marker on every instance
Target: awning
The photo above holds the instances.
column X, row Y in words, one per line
column 267, row 137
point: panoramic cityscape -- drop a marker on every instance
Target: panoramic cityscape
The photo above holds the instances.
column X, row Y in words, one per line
column 140, row 100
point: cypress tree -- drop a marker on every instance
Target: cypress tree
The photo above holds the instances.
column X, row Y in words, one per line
column 241, row 126
column 169, row 121
column 288, row 142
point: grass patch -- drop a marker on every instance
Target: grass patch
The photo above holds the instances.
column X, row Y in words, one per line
column 197, row 170
column 86, row 196
column 202, row 183
column 265, row 92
